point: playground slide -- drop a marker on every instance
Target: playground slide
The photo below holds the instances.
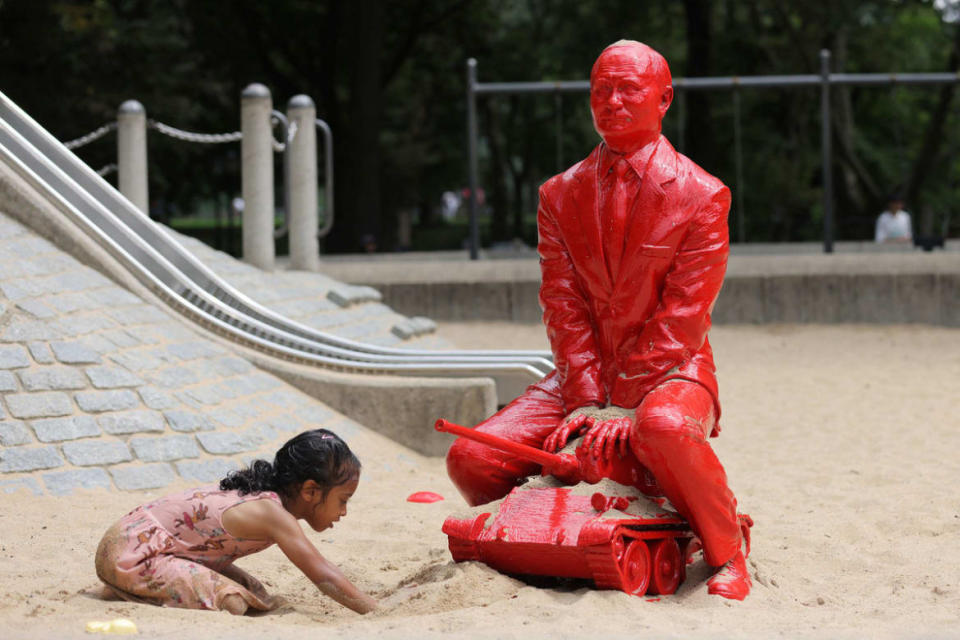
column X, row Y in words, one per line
column 158, row 261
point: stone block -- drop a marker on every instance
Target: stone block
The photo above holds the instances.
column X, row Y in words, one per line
column 115, row 297
column 211, row 470
column 346, row 295
column 137, row 314
column 60, row 429
column 525, row 301
column 13, row 356
column 36, row 308
column 204, row 394
column 827, row 298
column 156, row 399
column 13, row 433
column 86, row 453
column 918, row 297
column 740, row 302
column 315, row 414
column 62, row 483
column 193, row 350
column 783, row 299
column 228, row 418
column 172, row 377
column 71, row 301
column 47, row 404
column 131, row 422
column 24, row 330
column 41, row 352
column 139, row 360
column 29, row 459
column 186, row 421
column 165, row 448
column 101, row 401
column 74, row 352
column 226, row 442
column 74, row 326
column 12, row 485
column 142, row 476
column 8, row 382
column 874, row 299
column 109, row 377
column 120, row 338
column 478, row 301
column 231, row 365
column 949, row 284
column 52, row 379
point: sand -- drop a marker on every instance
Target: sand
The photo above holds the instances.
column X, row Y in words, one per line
column 841, row 441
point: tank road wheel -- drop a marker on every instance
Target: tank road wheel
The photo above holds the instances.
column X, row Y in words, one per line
column 617, row 547
column 636, row 568
column 667, row 566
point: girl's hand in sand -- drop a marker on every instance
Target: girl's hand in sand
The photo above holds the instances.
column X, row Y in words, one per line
column 607, row 437
column 267, row 520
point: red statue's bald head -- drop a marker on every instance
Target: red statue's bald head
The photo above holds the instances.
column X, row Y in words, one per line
column 630, row 91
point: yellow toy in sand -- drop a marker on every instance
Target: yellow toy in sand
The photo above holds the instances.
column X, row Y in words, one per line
column 120, row 626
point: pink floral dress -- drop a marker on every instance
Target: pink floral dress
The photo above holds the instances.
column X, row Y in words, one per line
column 174, row 552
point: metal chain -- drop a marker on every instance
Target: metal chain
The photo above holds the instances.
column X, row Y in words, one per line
column 96, row 134
column 189, row 136
column 180, row 134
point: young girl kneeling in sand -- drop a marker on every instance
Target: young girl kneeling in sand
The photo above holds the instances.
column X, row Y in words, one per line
column 179, row 550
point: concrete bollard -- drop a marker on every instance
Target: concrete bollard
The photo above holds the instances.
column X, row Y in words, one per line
column 302, row 205
column 257, row 176
column 132, row 154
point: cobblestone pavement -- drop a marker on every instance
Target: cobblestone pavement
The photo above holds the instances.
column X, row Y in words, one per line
column 317, row 301
column 100, row 389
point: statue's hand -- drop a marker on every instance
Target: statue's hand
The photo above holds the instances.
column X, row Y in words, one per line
column 606, row 437
column 572, row 425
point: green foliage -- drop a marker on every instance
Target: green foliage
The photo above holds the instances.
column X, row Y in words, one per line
column 389, row 77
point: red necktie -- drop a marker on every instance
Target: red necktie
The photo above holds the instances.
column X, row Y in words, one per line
column 615, row 215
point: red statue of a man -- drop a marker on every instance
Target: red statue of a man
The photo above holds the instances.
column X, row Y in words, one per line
column 633, row 248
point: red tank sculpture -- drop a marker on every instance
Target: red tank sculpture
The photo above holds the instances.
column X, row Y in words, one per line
column 610, row 527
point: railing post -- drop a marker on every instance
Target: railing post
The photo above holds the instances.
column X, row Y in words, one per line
column 302, row 213
column 257, row 176
column 472, row 151
column 826, row 151
column 132, row 154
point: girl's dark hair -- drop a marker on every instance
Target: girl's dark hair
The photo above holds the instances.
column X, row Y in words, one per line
column 317, row 455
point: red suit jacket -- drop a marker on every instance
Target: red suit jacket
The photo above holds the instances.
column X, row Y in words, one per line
column 619, row 330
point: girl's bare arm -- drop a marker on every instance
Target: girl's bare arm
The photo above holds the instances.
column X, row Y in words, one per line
column 266, row 520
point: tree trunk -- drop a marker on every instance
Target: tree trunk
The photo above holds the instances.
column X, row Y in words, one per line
column 699, row 138
column 930, row 148
column 499, row 201
column 358, row 141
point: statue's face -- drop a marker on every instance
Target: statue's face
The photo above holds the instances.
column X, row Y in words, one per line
column 626, row 102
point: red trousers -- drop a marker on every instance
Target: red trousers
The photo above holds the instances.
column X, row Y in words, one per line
column 669, row 437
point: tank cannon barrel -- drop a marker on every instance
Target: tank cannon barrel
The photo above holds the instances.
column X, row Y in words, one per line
column 586, row 466
column 563, row 466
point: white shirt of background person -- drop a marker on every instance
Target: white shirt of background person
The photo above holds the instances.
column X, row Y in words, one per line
column 893, row 225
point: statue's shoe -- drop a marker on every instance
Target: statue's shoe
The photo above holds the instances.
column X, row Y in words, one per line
column 732, row 580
